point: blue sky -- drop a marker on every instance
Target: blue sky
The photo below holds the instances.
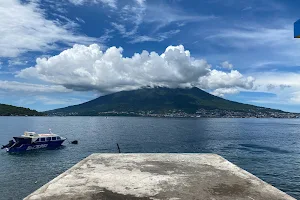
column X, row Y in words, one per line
column 58, row 54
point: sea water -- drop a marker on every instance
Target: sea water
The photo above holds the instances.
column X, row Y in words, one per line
column 267, row 148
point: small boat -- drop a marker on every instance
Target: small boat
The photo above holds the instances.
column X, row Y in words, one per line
column 31, row 141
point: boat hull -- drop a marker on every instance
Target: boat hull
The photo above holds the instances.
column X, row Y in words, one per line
column 35, row 146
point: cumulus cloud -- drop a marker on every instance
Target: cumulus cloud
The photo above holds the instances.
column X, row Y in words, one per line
column 25, row 28
column 219, row 79
column 88, row 68
column 221, row 92
column 226, row 65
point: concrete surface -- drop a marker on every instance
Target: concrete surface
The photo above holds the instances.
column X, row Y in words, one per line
column 157, row 176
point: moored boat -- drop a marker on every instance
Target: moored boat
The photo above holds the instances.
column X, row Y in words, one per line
column 31, row 141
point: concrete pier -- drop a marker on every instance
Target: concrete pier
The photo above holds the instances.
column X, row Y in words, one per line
column 157, row 176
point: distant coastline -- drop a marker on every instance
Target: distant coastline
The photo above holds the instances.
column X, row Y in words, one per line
column 199, row 114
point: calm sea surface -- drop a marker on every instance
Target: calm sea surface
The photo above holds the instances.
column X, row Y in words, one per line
column 267, row 148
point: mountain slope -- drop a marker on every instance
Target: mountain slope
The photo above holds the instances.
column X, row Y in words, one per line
column 8, row 110
column 160, row 101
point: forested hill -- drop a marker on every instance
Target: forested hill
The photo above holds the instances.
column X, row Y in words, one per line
column 9, row 110
column 160, row 101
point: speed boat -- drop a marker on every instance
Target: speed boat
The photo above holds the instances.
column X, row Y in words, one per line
column 31, row 141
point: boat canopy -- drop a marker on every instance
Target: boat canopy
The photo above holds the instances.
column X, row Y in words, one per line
column 30, row 134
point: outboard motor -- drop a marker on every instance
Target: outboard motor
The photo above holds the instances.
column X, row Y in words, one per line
column 10, row 143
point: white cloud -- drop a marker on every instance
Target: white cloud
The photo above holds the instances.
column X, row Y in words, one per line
column 41, row 102
column 277, row 78
column 145, row 38
column 80, row 20
column 88, row 68
column 254, row 36
column 121, row 28
column 281, row 86
column 164, row 15
column 285, row 86
column 262, row 64
column 14, row 86
column 270, row 86
column 25, row 28
column 58, row 101
column 269, row 46
column 227, row 65
column 6, row 72
column 138, row 13
column 247, row 8
column 157, row 38
column 221, row 92
column 17, row 61
column 106, row 36
column 110, row 3
column 296, row 97
column 132, row 15
column 135, row 38
column 219, row 79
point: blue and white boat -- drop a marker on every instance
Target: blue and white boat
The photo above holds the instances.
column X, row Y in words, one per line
column 31, row 141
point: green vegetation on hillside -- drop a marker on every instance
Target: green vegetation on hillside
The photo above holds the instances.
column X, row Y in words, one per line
column 8, row 110
column 158, row 100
